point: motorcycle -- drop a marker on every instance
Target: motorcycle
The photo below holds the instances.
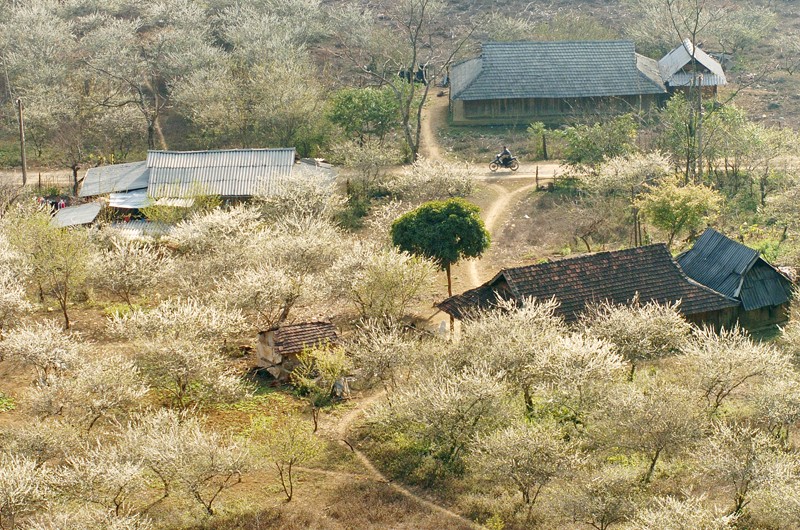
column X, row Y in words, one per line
column 510, row 163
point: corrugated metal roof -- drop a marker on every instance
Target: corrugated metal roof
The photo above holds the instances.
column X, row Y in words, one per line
column 139, row 229
column 764, row 286
column 76, row 215
column 227, row 173
column 689, row 79
column 114, row 178
column 129, row 200
column 141, row 199
column 673, row 63
column 510, row 70
column 734, row 270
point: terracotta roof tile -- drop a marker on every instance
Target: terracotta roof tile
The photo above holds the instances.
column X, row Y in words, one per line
column 292, row 339
column 615, row 277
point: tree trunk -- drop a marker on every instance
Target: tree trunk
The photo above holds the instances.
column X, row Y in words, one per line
column 151, row 134
column 544, row 147
column 75, row 181
column 652, row 467
column 449, row 294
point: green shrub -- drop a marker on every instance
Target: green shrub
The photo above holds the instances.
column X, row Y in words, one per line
column 7, row 403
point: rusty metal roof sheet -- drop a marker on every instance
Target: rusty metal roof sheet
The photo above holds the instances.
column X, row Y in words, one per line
column 227, row 173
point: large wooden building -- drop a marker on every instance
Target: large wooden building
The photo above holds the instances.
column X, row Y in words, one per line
column 523, row 82
column 557, row 82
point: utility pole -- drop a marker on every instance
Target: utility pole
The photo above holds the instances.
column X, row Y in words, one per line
column 22, row 143
column 699, row 131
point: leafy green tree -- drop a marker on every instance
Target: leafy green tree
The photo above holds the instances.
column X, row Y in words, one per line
column 56, row 258
column 443, row 231
column 364, row 113
column 413, row 35
column 290, row 443
column 590, row 145
column 674, row 208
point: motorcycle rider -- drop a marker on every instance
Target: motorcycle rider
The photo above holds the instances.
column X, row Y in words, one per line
column 505, row 156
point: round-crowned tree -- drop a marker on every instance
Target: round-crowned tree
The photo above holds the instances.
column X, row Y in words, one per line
column 443, row 231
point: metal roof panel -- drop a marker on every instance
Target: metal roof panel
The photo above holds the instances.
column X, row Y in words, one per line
column 114, row 178
column 228, row 173
column 76, row 215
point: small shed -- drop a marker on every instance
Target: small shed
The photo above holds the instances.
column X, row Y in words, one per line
column 648, row 273
column 739, row 272
column 277, row 349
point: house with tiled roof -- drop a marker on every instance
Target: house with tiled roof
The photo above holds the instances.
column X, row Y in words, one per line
column 647, row 273
column 277, row 349
column 739, row 272
column 551, row 82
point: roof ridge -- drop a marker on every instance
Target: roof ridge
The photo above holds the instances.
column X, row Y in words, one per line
column 245, row 149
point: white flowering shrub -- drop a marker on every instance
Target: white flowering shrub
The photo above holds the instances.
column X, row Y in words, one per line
column 526, row 457
column 387, row 283
column 188, row 373
column 186, row 319
column 427, row 180
column 573, row 371
column 104, row 476
column 43, row 345
column 24, row 488
column 13, row 302
column 739, row 457
column 42, row 440
column 671, row 513
column 181, row 455
column 510, row 339
column 721, row 364
column 216, row 230
column 106, row 388
column 129, row 268
column 445, row 411
column 652, row 420
column 382, row 351
column 302, row 195
column 639, row 332
column 602, row 497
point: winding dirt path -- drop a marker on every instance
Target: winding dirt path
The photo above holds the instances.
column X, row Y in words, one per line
column 339, row 432
column 435, row 113
column 493, row 217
